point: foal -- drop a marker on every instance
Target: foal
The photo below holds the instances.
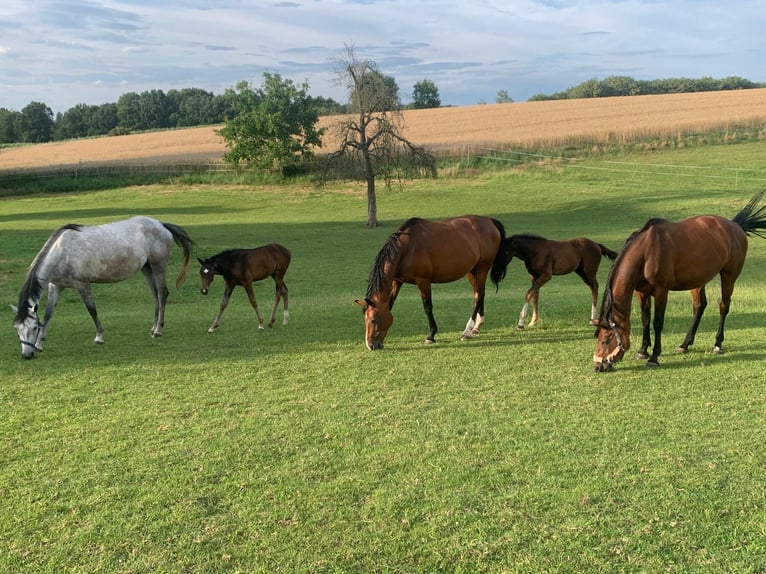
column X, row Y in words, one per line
column 242, row 267
column 545, row 258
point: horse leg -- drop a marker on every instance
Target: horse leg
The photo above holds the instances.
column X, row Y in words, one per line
column 90, row 305
column 592, row 283
column 699, row 303
column 395, row 286
column 155, row 278
column 50, row 306
column 285, row 307
column 428, row 307
column 254, row 304
column 727, row 288
column 224, row 302
column 278, row 290
column 660, row 304
column 533, row 295
column 645, row 304
column 475, row 320
column 479, row 318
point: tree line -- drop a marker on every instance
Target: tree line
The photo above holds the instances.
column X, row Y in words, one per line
column 155, row 109
column 627, row 86
column 133, row 112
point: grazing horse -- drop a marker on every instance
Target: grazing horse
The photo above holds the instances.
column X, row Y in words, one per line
column 545, row 258
column 242, row 267
column 423, row 252
column 77, row 255
column 667, row 256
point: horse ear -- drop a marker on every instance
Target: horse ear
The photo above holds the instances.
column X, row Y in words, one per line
column 14, row 308
column 364, row 303
column 201, row 262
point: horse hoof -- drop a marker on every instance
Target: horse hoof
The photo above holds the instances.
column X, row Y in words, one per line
column 717, row 350
column 652, row 364
column 211, row 330
column 429, row 341
column 260, row 328
column 681, row 350
column 520, row 327
column 642, row 356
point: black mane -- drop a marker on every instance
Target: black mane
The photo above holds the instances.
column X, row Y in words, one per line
column 607, row 303
column 388, row 252
column 227, row 258
column 33, row 287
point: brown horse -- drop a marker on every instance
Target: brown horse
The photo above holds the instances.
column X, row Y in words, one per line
column 423, row 252
column 665, row 256
column 545, row 258
column 242, row 267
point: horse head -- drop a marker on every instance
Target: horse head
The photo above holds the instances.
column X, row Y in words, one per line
column 206, row 273
column 377, row 321
column 613, row 341
column 27, row 325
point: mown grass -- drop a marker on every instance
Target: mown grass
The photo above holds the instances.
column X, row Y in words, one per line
column 296, row 450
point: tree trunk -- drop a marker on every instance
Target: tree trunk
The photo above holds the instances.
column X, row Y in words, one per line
column 372, row 205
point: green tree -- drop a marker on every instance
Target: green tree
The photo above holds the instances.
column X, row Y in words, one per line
column 195, row 107
column 9, row 126
column 129, row 112
column 371, row 136
column 425, row 94
column 503, row 97
column 36, row 123
column 275, row 126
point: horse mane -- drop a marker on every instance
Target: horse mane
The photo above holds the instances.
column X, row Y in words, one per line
column 530, row 236
column 513, row 244
column 387, row 253
column 226, row 257
column 33, row 287
column 607, row 302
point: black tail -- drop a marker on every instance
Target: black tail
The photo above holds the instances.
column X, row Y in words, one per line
column 500, row 264
column 752, row 219
column 182, row 238
column 606, row 252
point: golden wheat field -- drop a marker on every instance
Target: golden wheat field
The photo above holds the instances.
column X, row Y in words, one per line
column 527, row 124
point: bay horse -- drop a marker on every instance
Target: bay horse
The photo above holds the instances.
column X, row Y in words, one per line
column 423, row 252
column 74, row 256
column 242, row 267
column 667, row 256
column 545, row 258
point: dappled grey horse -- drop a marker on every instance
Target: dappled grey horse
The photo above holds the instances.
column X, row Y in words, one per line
column 77, row 255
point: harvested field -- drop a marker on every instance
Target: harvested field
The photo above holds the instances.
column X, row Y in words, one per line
column 528, row 124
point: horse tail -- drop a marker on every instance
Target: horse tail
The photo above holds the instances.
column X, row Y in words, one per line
column 500, row 264
column 752, row 219
column 606, row 252
column 181, row 238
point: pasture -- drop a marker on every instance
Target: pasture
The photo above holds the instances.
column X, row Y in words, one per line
column 296, row 449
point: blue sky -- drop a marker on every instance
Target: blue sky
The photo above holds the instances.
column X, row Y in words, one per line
column 66, row 52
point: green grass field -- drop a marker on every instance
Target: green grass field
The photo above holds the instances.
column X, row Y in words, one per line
column 297, row 450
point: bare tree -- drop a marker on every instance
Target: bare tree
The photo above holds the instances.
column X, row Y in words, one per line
column 371, row 135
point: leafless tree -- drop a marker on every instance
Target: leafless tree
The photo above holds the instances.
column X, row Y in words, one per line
column 371, row 135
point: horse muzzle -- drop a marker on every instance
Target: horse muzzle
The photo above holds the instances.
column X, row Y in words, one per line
column 601, row 365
